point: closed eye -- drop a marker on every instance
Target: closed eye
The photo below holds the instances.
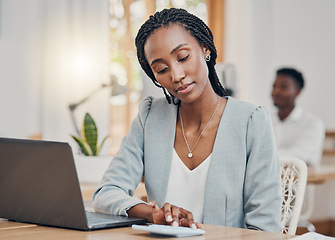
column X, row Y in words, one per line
column 163, row 70
column 183, row 59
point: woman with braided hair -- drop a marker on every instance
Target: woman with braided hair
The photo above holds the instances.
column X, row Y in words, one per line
column 206, row 157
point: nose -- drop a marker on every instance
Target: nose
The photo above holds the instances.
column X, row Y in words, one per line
column 177, row 73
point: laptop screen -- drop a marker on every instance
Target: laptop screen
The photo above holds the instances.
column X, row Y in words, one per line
column 39, row 184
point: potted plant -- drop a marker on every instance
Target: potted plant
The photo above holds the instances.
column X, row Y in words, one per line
column 90, row 165
column 88, row 140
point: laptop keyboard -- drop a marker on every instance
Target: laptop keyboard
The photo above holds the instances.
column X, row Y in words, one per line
column 93, row 221
column 98, row 220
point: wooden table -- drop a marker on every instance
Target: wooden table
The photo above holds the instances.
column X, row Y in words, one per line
column 21, row 231
column 321, row 174
column 329, row 144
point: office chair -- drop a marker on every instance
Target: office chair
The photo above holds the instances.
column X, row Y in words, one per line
column 307, row 209
column 293, row 184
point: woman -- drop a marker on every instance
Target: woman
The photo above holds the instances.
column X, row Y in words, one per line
column 206, row 157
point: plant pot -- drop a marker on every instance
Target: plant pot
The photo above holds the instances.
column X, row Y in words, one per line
column 90, row 169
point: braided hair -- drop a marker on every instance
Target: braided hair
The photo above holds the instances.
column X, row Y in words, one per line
column 195, row 26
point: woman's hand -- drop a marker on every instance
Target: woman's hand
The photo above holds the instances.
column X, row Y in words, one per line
column 173, row 215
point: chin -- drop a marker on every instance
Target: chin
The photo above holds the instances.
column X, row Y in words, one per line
column 277, row 103
column 187, row 99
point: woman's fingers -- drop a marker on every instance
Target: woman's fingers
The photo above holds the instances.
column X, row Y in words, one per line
column 152, row 204
column 173, row 215
column 167, row 212
column 190, row 219
column 187, row 219
column 199, row 225
column 157, row 214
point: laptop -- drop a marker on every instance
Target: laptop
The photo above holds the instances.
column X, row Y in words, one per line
column 39, row 185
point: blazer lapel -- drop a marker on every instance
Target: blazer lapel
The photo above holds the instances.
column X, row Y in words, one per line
column 217, row 185
column 160, row 132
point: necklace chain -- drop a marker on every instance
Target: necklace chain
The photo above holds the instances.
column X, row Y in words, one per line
column 190, row 154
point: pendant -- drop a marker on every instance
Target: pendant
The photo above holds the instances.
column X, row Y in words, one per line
column 190, row 155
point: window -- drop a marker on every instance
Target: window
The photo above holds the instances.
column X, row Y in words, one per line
column 126, row 17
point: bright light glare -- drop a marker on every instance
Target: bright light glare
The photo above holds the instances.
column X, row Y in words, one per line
column 81, row 65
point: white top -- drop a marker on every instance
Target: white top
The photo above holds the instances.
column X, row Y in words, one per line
column 186, row 188
column 300, row 135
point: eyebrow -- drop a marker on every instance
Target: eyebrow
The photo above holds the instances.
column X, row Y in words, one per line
column 176, row 48
column 172, row 52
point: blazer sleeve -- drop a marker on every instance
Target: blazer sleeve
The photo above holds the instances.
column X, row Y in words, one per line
column 262, row 194
column 114, row 195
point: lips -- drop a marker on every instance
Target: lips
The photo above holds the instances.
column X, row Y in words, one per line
column 277, row 98
column 185, row 88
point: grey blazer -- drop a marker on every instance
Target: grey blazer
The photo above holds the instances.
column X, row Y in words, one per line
column 243, row 183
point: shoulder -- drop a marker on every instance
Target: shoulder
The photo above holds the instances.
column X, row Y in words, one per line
column 310, row 116
column 311, row 119
column 151, row 102
column 247, row 111
column 243, row 118
column 151, row 105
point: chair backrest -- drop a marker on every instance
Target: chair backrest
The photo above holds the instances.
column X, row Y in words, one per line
column 294, row 178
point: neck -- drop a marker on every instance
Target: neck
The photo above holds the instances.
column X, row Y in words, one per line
column 283, row 112
column 199, row 109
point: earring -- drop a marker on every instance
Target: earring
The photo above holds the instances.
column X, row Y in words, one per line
column 208, row 58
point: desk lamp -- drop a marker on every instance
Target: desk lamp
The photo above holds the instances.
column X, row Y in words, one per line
column 116, row 89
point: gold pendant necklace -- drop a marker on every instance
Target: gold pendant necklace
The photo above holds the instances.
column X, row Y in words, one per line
column 190, row 154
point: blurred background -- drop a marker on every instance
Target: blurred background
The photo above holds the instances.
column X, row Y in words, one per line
column 57, row 54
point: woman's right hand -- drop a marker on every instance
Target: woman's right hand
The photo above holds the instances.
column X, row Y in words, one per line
column 173, row 215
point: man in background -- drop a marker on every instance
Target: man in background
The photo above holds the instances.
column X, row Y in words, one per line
column 297, row 133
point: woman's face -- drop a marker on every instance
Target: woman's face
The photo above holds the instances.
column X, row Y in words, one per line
column 177, row 62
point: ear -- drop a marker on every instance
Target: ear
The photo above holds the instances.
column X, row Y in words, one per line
column 298, row 93
column 205, row 50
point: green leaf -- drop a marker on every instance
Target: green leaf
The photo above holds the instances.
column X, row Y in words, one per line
column 103, row 141
column 81, row 145
column 90, row 133
column 88, row 140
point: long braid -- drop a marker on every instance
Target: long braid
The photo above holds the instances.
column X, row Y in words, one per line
column 196, row 27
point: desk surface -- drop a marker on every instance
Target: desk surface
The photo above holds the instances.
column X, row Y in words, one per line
column 14, row 230
column 321, row 174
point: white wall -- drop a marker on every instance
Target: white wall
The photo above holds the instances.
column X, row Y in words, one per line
column 263, row 35
column 20, row 75
column 311, row 25
column 41, row 44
